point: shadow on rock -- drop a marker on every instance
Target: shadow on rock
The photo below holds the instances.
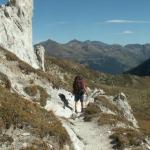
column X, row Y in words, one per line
column 65, row 101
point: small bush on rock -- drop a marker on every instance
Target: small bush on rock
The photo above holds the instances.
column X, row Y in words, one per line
column 4, row 81
column 43, row 96
column 106, row 103
column 91, row 111
column 126, row 137
column 110, row 119
column 11, row 57
column 33, row 90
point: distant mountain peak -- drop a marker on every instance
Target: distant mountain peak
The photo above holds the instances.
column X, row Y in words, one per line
column 51, row 41
column 110, row 58
column 74, row 41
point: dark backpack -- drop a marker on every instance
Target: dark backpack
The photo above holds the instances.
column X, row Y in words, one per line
column 78, row 86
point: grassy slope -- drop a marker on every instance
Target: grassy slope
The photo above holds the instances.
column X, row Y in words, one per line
column 21, row 113
column 136, row 88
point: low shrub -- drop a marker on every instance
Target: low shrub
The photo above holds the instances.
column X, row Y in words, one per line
column 106, row 103
column 37, row 145
column 31, row 90
column 110, row 119
column 126, row 137
column 92, row 108
column 43, row 96
column 4, row 81
column 26, row 68
column 11, row 57
column 91, row 111
column 5, row 139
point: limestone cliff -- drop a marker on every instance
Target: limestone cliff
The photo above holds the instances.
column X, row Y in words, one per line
column 16, row 30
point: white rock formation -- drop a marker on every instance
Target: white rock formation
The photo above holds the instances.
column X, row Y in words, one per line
column 122, row 105
column 16, row 30
column 39, row 51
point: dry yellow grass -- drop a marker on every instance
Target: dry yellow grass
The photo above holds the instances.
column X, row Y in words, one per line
column 37, row 145
column 43, row 96
column 126, row 137
column 139, row 99
column 136, row 88
column 110, row 119
column 4, row 81
column 21, row 113
column 144, row 122
column 33, row 90
column 91, row 111
column 106, row 103
column 11, row 57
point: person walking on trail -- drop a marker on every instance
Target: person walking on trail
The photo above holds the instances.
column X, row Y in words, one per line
column 79, row 89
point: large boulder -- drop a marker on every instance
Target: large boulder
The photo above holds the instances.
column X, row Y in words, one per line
column 123, row 105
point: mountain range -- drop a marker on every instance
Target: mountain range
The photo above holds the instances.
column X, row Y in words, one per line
column 141, row 70
column 114, row 59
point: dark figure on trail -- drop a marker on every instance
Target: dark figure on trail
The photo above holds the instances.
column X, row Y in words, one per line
column 65, row 101
column 79, row 89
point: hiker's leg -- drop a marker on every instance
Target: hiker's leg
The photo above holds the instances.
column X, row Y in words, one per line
column 76, row 100
column 75, row 106
column 81, row 100
column 81, row 106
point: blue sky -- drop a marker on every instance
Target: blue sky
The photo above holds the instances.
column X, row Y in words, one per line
column 110, row 21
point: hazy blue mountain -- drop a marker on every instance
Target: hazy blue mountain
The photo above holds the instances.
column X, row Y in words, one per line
column 141, row 70
column 100, row 56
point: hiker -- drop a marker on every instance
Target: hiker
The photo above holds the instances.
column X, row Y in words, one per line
column 79, row 89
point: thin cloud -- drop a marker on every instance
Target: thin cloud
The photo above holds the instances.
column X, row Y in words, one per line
column 127, row 32
column 121, row 21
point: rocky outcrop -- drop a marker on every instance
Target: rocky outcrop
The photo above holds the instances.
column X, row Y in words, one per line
column 16, row 30
column 123, row 105
column 39, row 51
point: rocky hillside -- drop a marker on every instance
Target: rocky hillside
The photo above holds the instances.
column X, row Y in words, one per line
column 32, row 93
column 99, row 56
column 141, row 70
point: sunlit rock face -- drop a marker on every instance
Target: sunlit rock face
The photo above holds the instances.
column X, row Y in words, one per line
column 40, row 51
column 16, row 30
